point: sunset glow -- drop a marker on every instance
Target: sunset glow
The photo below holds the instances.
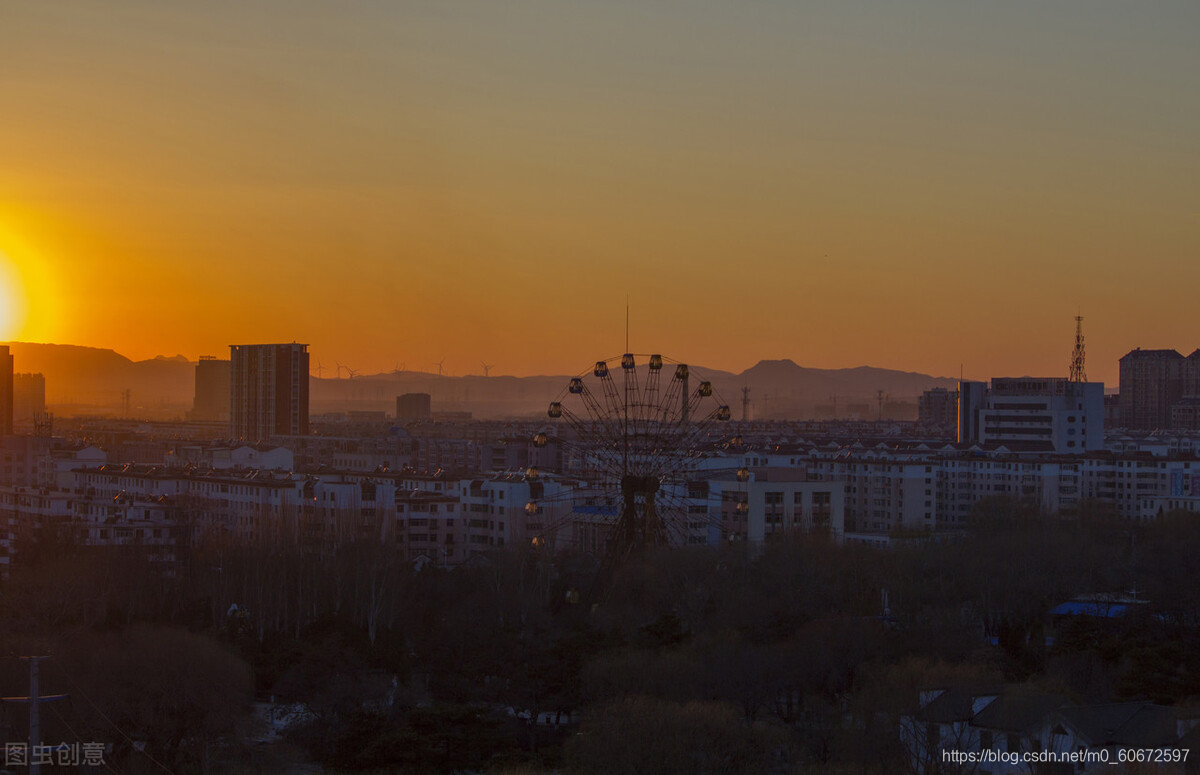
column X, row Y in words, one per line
column 600, row 387
column 839, row 184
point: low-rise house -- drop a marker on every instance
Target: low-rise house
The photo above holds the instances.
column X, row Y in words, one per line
column 1016, row 729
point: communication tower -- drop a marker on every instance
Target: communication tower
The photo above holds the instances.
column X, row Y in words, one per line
column 1077, row 371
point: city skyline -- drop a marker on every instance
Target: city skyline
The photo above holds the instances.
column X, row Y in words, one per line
column 339, row 370
column 840, row 184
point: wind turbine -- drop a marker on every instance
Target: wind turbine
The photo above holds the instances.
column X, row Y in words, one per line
column 320, row 369
column 352, row 372
column 487, row 367
column 439, row 365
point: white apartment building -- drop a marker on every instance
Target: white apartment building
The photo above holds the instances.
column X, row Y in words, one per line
column 896, row 489
column 1048, row 415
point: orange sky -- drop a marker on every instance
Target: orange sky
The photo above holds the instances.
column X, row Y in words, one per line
column 839, row 183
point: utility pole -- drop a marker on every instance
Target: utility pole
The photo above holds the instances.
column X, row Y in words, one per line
column 35, row 700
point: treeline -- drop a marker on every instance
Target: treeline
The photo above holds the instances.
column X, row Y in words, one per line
column 799, row 657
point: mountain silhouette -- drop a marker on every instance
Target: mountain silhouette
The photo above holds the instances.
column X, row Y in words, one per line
column 87, row 380
column 91, row 378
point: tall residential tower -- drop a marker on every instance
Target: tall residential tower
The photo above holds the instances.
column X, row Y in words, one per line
column 268, row 393
column 212, row 390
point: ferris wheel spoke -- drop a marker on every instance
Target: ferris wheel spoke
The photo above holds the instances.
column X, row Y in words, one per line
column 612, row 397
column 672, row 404
column 650, row 398
column 599, row 415
column 694, row 403
column 630, row 382
column 663, row 457
column 596, row 412
column 576, row 423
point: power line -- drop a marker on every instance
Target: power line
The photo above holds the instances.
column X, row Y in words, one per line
column 75, row 734
column 35, row 701
column 102, row 715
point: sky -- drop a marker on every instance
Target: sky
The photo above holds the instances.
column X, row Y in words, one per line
column 927, row 186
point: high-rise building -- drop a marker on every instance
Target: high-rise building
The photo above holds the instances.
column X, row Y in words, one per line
column 1152, row 381
column 212, row 390
column 29, row 397
column 413, row 406
column 1030, row 414
column 6, row 391
column 1191, row 374
column 938, row 408
column 268, row 390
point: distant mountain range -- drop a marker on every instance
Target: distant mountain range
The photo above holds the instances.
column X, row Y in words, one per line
column 91, row 380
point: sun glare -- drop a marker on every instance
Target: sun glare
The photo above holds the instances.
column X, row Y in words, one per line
column 12, row 299
column 30, row 310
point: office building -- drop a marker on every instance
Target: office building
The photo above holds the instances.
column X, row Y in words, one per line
column 268, row 390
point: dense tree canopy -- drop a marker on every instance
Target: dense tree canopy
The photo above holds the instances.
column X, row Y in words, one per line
column 803, row 652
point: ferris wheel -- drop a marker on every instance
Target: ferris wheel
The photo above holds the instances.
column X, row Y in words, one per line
column 635, row 436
